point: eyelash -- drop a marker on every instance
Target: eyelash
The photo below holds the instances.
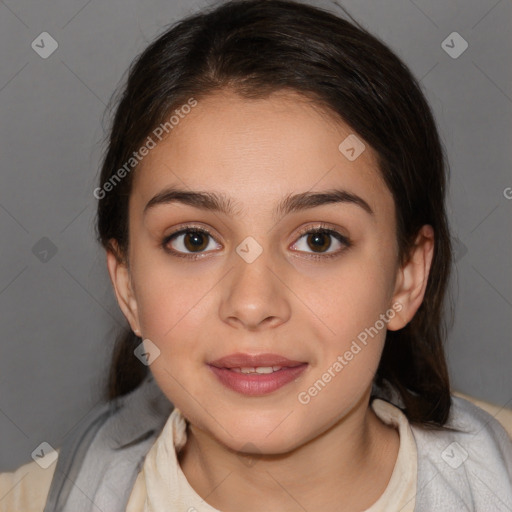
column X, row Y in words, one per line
column 318, row 229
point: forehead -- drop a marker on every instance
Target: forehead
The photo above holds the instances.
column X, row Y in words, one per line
column 256, row 151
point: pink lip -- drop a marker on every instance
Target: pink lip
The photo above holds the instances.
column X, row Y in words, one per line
column 256, row 384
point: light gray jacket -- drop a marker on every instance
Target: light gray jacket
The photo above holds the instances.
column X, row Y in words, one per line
column 467, row 470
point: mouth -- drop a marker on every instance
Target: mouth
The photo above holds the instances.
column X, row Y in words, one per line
column 263, row 362
column 258, row 369
column 256, row 375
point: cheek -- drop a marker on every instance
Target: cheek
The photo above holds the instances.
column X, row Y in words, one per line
column 353, row 302
column 348, row 356
column 350, row 296
column 168, row 292
column 173, row 313
column 172, row 308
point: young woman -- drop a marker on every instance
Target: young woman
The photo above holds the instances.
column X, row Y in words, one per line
column 271, row 204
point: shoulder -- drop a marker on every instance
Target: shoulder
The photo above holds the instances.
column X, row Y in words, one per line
column 502, row 414
column 103, row 456
column 26, row 488
column 108, row 441
column 468, row 462
column 476, row 432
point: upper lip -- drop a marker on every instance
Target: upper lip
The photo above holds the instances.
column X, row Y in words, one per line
column 240, row 360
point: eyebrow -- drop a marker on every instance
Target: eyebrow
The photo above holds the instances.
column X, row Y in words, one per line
column 218, row 202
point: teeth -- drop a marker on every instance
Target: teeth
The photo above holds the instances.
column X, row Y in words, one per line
column 257, row 369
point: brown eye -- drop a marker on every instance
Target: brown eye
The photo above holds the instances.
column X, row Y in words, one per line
column 189, row 241
column 319, row 242
column 195, row 241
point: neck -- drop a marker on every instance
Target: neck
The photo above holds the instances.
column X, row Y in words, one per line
column 345, row 467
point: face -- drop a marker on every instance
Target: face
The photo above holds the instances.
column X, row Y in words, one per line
column 257, row 279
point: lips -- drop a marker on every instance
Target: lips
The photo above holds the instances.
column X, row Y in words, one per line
column 240, row 360
column 256, row 375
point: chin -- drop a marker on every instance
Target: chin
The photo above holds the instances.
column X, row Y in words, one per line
column 258, row 440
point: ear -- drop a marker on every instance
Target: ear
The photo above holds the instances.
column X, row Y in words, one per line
column 121, row 281
column 411, row 280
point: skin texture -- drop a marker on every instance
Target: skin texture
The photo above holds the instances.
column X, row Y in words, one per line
column 332, row 453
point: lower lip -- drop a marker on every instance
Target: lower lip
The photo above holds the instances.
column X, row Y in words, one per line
column 256, row 384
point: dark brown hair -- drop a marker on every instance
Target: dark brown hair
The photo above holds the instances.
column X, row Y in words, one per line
column 257, row 47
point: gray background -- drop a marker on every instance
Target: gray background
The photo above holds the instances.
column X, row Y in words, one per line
column 59, row 317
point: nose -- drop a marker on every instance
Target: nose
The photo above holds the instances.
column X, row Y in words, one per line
column 255, row 297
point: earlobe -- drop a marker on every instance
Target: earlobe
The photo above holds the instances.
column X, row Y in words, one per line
column 121, row 281
column 412, row 278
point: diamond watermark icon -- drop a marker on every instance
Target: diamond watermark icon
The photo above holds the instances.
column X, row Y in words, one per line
column 454, row 45
column 249, row 249
column 44, row 455
column 351, row 147
column 454, row 455
column 146, row 352
column 44, row 249
column 249, row 459
column 459, row 250
column 44, row 45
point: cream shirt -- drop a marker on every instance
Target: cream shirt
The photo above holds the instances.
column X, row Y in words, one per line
column 26, row 489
